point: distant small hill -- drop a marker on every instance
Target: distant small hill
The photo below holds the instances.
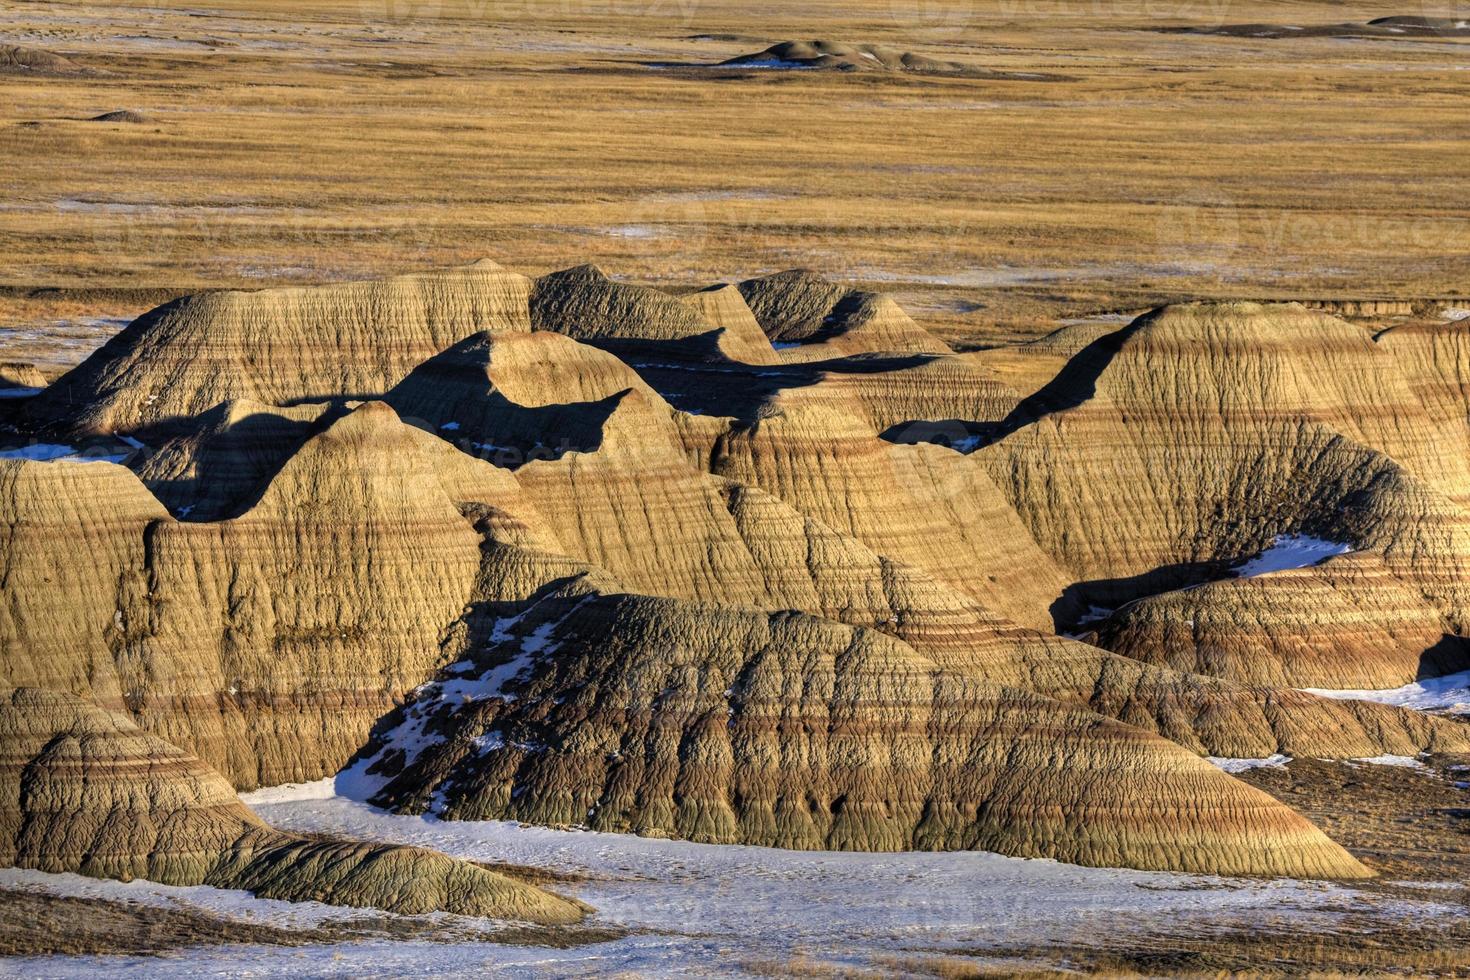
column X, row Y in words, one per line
column 120, row 116
column 1398, row 27
column 16, row 60
column 835, row 56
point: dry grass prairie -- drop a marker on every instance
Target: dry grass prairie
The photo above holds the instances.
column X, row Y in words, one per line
column 298, row 142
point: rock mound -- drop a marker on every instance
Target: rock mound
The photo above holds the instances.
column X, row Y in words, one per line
column 582, row 713
column 812, row 318
column 1197, row 435
column 20, row 374
column 833, row 56
column 1347, row 625
column 782, row 625
column 267, row 644
column 1396, row 27
column 85, row 791
column 586, row 305
column 513, row 398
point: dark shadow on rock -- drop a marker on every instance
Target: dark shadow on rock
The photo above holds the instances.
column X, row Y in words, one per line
column 234, row 462
column 451, row 395
column 696, row 377
column 1074, row 384
column 1114, row 593
column 1449, row 656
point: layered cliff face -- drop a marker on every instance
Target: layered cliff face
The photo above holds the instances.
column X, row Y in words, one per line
column 788, row 620
column 586, row 305
column 215, row 465
column 656, row 716
column 269, row 643
column 83, row 790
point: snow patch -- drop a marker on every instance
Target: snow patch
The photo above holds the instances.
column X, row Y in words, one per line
column 732, row 904
column 50, row 452
column 457, row 686
column 1449, row 694
column 780, row 64
column 227, row 903
column 1241, row 765
column 40, row 452
column 722, row 907
column 321, row 789
column 1292, row 551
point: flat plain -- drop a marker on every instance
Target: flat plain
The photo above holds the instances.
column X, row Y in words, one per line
column 307, row 142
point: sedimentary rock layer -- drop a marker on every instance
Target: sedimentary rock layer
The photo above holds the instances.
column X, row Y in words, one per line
column 1349, row 624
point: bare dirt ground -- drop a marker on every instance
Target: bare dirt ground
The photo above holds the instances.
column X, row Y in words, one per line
column 305, row 142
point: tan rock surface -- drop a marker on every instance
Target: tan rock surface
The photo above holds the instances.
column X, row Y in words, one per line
column 20, row 374
column 827, row 320
column 1197, row 434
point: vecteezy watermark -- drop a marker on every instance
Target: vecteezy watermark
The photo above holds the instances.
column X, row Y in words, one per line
column 1210, row 228
column 933, row 18
column 161, row 232
column 1205, row 226
column 399, row 12
column 683, row 218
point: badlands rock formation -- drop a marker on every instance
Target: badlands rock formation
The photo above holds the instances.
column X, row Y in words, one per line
column 1195, row 436
column 821, row 319
column 19, row 60
column 1348, row 624
column 628, row 713
column 577, row 551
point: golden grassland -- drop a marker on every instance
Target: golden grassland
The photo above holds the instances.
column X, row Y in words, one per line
column 306, row 142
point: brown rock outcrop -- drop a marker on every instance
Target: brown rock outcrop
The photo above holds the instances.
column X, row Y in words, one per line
column 267, row 644
column 1196, row 435
column 780, row 624
column 18, row 60
column 20, row 374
